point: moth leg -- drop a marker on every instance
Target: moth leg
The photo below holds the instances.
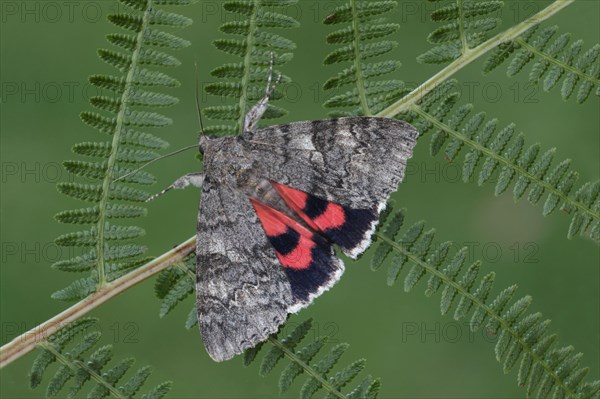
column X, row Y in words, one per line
column 256, row 112
column 194, row 179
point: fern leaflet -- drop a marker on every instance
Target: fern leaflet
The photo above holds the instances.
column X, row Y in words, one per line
column 544, row 368
column 465, row 25
column 245, row 80
column 78, row 369
column 554, row 59
column 319, row 374
column 175, row 284
column 455, row 127
column 108, row 258
column 358, row 42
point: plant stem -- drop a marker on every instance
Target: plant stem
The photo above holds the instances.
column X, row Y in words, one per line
column 461, row 27
column 26, row 342
column 471, row 55
column 309, row 370
column 491, row 313
column 581, row 207
column 558, row 62
column 116, row 143
column 360, row 81
column 75, row 364
column 247, row 65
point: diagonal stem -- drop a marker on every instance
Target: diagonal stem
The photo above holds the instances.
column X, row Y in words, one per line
column 77, row 364
column 558, row 62
column 26, row 342
column 491, row 313
column 309, row 370
column 471, row 55
column 581, row 207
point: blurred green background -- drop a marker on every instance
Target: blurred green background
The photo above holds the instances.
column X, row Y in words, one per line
column 46, row 59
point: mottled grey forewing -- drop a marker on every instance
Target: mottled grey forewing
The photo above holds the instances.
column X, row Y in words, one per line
column 242, row 292
column 355, row 161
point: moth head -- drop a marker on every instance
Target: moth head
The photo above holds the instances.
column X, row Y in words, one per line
column 202, row 143
column 222, row 152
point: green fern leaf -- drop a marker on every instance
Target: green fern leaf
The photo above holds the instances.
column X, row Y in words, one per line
column 159, row 392
column 344, row 377
column 127, row 145
column 363, row 10
column 311, row 386
column 293, row 370
column 181, row 290
column 275, row 354
column 420, row 249
column 76, row 370
column 244, row 81
column 526, row 166
column 555, row 60
column 113, row 375
column 466, row 24
column 135, row 382
column 520, row 335
column 318, row 377
column 192, row 318
column 175, row 284
column 407, row 240
column 362, row 39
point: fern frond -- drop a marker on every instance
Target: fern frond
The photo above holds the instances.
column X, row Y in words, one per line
column 245, row 81
column 319, row 375
column 466, row 24
column 175, row 284
column 87, row 261
column 544, row 369
column 95, row 171
column 502, row 151
column 119, row 117
column 77, row 368
column 555, row 60
column 361, row 40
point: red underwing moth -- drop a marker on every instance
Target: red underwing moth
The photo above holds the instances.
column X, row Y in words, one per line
column 275, row 201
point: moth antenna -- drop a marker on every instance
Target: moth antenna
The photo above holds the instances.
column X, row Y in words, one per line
column 198, row 110
column 154, row 196
column 189, row 147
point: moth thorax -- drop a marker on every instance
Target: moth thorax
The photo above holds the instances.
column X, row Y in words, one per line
column 264, row 191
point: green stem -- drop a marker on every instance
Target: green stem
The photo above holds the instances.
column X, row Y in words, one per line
column 461, row 27
column 477, row 302
column 309, row 370
column 247, row 65
column 469, row 56
column 360, row 81
column 75, row 365
column 557, row 62
column 116, row 141
column 26, row 342
column 182, row 266
column 518, row 169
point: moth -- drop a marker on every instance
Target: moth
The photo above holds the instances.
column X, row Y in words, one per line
column 275, row 203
